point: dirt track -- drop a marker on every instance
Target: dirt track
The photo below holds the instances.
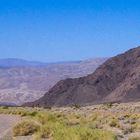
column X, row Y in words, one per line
column 6, row 123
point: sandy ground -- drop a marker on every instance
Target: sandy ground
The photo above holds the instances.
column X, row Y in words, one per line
column 6, row 124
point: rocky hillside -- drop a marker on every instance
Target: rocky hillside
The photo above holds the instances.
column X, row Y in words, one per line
column 23, row 81
column 117, row 80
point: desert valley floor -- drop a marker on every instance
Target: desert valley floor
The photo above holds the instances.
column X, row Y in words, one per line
column 111, row 121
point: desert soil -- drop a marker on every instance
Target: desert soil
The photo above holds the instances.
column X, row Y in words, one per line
column 6, row 124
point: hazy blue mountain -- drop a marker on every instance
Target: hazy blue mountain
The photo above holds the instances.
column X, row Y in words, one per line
column 14, row 62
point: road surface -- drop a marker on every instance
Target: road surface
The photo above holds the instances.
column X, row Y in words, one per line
column 6, row 123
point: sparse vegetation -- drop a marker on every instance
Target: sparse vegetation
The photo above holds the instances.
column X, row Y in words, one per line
column 76, row 106
column 108, row 105
column 58, row 131
column 114, row 123
column 5, row 107
column 47, row 107
column 25, row 128
column 86, row 123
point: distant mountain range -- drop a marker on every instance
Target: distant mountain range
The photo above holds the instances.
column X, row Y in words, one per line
column 116, row 80
column 23, row 81
column 14, row 62
column 7, row 104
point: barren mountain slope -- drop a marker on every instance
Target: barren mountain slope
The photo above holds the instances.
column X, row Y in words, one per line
column 116, row 80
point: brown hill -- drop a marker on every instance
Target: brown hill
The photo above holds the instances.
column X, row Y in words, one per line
column 117, row 80
column 22, row 81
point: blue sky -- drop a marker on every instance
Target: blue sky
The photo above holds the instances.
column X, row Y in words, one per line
column 63, row 30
